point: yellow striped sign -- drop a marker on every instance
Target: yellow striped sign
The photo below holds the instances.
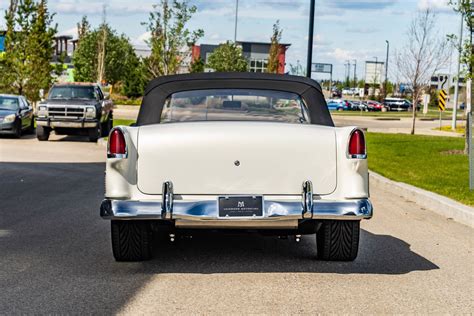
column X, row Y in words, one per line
column 442, row 100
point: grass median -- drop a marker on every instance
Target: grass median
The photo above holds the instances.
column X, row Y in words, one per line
column 427, row 162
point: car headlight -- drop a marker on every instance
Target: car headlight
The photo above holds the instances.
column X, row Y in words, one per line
column 9, row 118
column 42, row 111
column 90, row 112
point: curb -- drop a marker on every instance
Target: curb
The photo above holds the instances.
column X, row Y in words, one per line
column 439, row 204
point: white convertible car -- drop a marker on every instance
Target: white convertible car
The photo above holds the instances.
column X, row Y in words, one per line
column 242, row 151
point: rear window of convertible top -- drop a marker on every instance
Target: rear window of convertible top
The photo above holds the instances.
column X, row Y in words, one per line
column 235, row 105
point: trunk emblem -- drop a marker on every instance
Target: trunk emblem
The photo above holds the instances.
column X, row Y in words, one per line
column 237, row 163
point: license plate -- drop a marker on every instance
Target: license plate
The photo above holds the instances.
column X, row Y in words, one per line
column 240, row 206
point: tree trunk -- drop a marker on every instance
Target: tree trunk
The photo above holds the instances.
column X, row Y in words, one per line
column 467, row 136
column 415, row 105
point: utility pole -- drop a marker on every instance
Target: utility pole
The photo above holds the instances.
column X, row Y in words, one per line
column 375, row 74
column 355, row 73
column 101, row 48
column 456, row 88
column 386, row 69
column 348, row 72
column 310, row 39
column 236, row 19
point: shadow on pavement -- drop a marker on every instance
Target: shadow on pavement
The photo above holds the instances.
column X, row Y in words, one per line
column 56, row 254
column 222, row 253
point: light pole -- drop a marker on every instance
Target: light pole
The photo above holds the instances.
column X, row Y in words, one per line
column 310, row 39
column 456, row 88
column 348, row 73
column 355, row 73
column 375, row 75
column 236, row 18
column 386, row 69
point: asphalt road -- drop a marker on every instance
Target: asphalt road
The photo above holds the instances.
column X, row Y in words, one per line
column 55, row 254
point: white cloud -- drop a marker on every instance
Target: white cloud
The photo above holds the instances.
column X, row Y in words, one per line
column 72, row 32
column 438, row 5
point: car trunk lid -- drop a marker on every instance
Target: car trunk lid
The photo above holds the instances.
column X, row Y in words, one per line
column 229, row 158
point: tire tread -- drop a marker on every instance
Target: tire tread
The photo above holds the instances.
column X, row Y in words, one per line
column 338, row 240
column 131, row 240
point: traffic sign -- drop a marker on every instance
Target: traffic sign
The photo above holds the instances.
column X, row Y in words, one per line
column 442, row 100
column 317, row 67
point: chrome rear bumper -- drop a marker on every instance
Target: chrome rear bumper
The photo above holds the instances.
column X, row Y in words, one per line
column 204, row 214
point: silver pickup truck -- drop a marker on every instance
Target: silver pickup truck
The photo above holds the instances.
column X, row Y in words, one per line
column 75, row 109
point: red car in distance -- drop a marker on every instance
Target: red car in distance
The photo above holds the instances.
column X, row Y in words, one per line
column 374, row 105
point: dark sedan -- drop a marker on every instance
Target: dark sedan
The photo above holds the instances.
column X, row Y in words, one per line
column 16, row 115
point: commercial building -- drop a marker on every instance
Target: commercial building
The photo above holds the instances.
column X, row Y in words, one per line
column 257, row 54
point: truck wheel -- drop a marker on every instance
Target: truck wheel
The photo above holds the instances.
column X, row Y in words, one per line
column 95, row 133
column 338, row 240
column 107, row 127
column 131, row 240
column 42, row 133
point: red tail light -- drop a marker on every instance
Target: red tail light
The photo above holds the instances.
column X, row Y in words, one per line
column 117, row 145
column 357, row 145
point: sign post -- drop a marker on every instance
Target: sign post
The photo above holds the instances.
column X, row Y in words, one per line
column 323, row 68
column 442, row 96
column 441, row 104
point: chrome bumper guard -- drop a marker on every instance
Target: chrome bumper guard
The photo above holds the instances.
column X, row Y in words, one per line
column 67, row 124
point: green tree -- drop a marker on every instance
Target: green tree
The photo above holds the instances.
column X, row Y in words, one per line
column 28, row 48
column 119, row 56
column 228, row 57
column 135, row 79
column 197, row 65
column 170, row 37
column 273, row 60
column 83, row 27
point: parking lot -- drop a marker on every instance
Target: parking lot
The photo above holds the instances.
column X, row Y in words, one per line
column 56, row 255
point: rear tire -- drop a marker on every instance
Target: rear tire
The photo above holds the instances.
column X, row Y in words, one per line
column 131, row 240
column 42, row 133
column 31, row 128
column 17, row 129
column 338, row 240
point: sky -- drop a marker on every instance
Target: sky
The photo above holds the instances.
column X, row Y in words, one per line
column 343, row 30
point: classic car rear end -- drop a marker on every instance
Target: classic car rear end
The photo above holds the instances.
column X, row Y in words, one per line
column 236, row 151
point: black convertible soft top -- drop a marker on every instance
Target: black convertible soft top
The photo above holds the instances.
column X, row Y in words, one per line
column 159, row 89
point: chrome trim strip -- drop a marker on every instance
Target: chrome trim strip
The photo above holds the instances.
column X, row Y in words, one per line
column 307, row 199
column 167, row 200
column 207, row 211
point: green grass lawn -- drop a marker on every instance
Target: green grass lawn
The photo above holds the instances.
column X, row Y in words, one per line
column 123, row 122
column 422, row 161
column 447, row 128
column 432, row 114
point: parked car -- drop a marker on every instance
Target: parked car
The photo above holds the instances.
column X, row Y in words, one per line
column 75, row 109
column 358, row 105
column 336, row 93
column 397, row 104
column 338, row 105
column 16, row 115
column 243, row 151
column 374, row 105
